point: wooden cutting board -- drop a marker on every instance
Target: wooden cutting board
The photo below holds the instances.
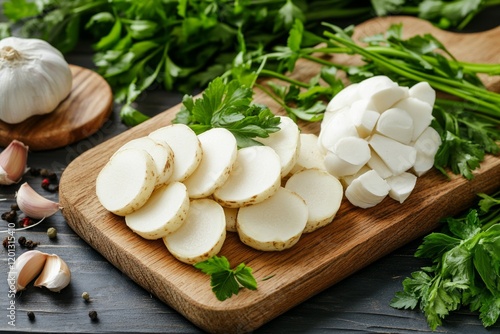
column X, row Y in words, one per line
column 81, row 114
column 356, row 238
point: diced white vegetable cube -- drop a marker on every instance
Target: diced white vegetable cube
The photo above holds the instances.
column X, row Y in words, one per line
column 427, row 146
column 398, row 157
column 347, row 156
column 322, row 193
column 379, row 166
column 364, row 117
column 255, row 176
column 347, row 180
column 424, row 92
column 219, row 153
column 420, row 112
column 339, row 126
column 164, row 212
column 185, row 145
column 397, row 124
column 286, row 143
column 342, row 99
column 401, row 186
column 274, row 224
column 202, row 234
column 368, row 190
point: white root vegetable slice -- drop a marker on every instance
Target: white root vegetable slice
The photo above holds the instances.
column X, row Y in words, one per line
column 160, row 152
column 364, row 116
column 401, row 186
column 424, row 92
column 255, row 176
column 322, row 193
column 368, row 190
column 286, row 143
column 201, row 236
column 126, row 182
column 219, row 153
column 379, row 166
column 397, row 124
column 398, row 157
column 274, row 224
column 347, row 180
column 347, row 157
column 164, row 212
column 310, row 156
column 419, row 111
column 382, row 91
column 185, row 145
column 231, row 214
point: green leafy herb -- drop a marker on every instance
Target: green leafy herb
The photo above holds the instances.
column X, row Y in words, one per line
column 228, row 105
column 225, row 281
column 465, row 267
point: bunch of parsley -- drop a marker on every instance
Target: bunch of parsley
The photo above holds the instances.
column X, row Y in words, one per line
column 465, row 270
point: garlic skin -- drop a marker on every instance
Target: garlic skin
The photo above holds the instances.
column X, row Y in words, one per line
column 33, row 204
column 27, row 266
column 55, row 275
column 34, row 78
column 13, row 162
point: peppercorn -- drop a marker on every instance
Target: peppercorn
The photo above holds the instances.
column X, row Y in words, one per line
column 30, row 244
column 10, row 216
column 26, row 221
column 48, row 174
column 52, row 232
column 93, row 315
column 35, row 171
column 22, row 241
column 86, row 296
column 14, row 207
column 5, row 242
column 46, row 185
column 31, row 315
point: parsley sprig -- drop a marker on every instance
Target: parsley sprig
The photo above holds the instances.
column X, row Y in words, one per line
column 465, row 268
column 225, row 281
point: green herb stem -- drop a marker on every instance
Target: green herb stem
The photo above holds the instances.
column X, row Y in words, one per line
column 268, row 73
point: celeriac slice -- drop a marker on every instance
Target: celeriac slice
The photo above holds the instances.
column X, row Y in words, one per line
column 185, row 145
column 274, row 224
column 397, row 156
column 401, row 186
column 397, row 124
column 219, row 153
column 201, row 236
column 419, row 111
column 160, row 152
column 322, row 193
column 163, row 213
column 347, row 156
column 286, row 143
column 367, row 190
column 127, row 180
column 254, row 177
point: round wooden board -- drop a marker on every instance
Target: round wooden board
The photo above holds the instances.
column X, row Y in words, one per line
column 80, row 115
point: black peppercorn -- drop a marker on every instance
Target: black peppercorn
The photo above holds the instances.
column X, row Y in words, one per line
column 31, row 315
column 93, row 315
column 10, row 216
column 30, row 244
column 5, row 242
column 22, row 241
column 14, row 207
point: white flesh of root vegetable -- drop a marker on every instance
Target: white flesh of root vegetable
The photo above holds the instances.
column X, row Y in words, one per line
column 391, row 125
column 322, row 193
column 285, row 142
column 219, row 153
column 202, row 234
column 274, row 224
column 254, row 177
column 163, row 213
column 186, row 147
column 310, row 155
column 160, row 152
column 127, row 181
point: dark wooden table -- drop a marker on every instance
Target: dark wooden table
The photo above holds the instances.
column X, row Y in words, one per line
column 359, row 303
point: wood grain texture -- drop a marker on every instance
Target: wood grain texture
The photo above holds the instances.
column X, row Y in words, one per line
column 355, row 239
column 78, row 116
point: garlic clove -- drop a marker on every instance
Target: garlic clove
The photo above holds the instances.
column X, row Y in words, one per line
column 55, row 275
column 27, row 266
column 13, row 162
column 33, row 204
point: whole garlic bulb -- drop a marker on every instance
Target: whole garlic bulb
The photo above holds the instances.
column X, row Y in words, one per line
column 34, row 78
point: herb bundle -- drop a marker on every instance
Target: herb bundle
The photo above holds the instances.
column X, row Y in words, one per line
column 465, row 268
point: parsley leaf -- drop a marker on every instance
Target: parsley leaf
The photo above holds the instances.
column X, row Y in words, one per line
column 228, row 105
column 466, row 267
column 225, row 281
